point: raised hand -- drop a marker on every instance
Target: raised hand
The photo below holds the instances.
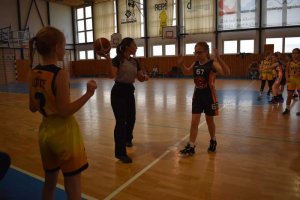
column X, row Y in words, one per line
column 180, row 60
column 91, row 86
column 103, row 54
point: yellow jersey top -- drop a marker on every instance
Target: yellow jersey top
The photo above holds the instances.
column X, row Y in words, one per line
column 294, row 69
column 42, row 88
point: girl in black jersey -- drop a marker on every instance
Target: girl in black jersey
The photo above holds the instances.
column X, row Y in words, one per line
column 125, row 70
column 204, row 97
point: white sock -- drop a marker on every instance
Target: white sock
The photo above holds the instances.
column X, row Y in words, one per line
column 192, row 144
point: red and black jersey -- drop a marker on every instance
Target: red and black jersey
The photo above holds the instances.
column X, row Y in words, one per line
column 204, row 75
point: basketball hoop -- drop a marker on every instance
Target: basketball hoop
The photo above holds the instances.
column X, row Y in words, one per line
column 169, row 32
column 173, row 32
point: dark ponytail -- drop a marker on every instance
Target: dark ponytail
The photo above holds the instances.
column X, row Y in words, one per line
column 121, row 48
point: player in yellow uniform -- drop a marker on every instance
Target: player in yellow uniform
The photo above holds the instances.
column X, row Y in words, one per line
column 60, row 140
column 278, row 78
column 293, row 78
column 266, row 74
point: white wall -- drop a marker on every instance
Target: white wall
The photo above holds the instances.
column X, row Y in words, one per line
column 8, row 9
column 35, row 22
column 61, row 18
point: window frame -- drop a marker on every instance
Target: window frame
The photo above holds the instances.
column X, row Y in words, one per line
column 85, row 31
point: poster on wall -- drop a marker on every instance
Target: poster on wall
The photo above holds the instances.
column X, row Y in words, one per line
column 237, row 14
column 160, row 14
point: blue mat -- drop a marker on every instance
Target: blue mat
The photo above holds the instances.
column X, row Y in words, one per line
column 17, row 185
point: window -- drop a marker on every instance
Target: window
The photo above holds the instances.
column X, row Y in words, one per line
column 291, row 43
column 237, row 14
column 280, row 13
column 89, row 54
column 130, row 18
column 157, row 50
column 277, row 43
column 140, row 52
column 82, row 55
column 174, row 21
column 115, row 17
column 246, row 46
column 170, row 50
column 84, row 24
column 293, row 10
column 105, row 18
column 273, row 13
column 142, row 21
column 160, row 14
column 113, row 52
column 230, row 47
column 190, row 48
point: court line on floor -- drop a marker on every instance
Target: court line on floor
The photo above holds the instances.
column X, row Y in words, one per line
column 42, row 180
column 171, row 148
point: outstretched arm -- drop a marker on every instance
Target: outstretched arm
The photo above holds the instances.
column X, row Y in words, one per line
column 220, row 65
column 181, row 64
column 112, row 70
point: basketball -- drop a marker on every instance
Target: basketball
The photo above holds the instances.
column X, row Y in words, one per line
column 103, row 45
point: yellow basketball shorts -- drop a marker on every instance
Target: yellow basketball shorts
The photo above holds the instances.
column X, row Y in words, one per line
column 61, row 145
column 267, row 76
column 293, row 84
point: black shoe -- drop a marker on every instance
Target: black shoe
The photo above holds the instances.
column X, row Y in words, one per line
column 286, row 112
column 269, row 92
column 212, row 146
column 273, row 101
column 188, row 150
column 280, row 100
column 295, row 96
column 124, row 159
column 129, row 144
column 298, row 114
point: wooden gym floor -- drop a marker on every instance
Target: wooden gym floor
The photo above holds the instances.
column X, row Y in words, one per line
column 258, row 153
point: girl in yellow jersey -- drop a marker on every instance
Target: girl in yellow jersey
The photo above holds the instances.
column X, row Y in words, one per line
column 60, row 140
column 293, row 78
column 266, row 74
column 278, row 78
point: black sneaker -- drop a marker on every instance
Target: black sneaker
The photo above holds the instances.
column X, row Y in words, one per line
column 212, row 146
column 280, row 100
column 273, row 101
column 129, row 144
column 286, row 112
column 124, row 159
column 298, row 114
column 188, row 150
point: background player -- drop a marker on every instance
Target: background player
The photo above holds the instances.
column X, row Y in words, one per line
column 293, row 78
